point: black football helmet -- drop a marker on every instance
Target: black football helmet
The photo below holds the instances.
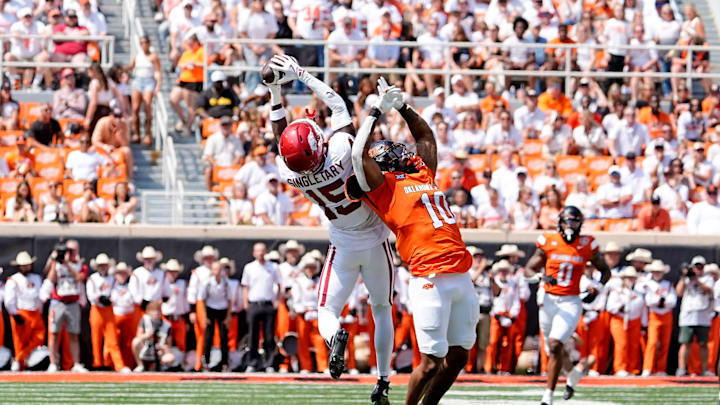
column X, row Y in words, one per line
column 392, row 157
column 570, row 221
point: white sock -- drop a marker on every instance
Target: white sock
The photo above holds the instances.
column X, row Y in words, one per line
column 384, row 337
column 328, row 324
column 548, row 396
column 574, row 377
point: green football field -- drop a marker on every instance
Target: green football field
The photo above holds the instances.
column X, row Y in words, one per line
column 310, row 393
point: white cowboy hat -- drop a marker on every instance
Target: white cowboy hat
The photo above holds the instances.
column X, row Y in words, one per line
column 172, row 265
column 120, row 267
column 149, row 252
column 292, row 244
column 274, row 255
column 475, row 250
column 640, row 255
column 657, row 265
column 502, row 265
column 308, row 260
column 712, row 268
column 102, row 258
column 23, row 259
column 629, row 271
column 206, row 251
column 509, row 250
column 229, row 263
column 612, row 247
column 317, row 255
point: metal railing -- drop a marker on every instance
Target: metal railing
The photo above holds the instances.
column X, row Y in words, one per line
column 106, row 43
column 184, row 208
column 446, row 72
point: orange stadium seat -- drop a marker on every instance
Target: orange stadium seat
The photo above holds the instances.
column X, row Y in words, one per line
column 619, row 225
column 301, row 214
column 534, row 164
column 52, row 171
column 8, row 186
column 223, row 188
column 212, row 125
column 39, row 186
column 224, row 174
column 106, row 187
column 8, row 138
column 597, row 181
column 678, row 226
column 495, row 160
column 593, row 225
column 569, row 164
column 73, row 189
column 532, row 147
column 478, row 163
column 598, row 164
column 697, row 194
column 5, row 150
column 29, row 112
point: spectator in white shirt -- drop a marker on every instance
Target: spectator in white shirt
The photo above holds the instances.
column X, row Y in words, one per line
column 253, row 173
column 468, row 135
column 262, row 292
column 549, row 179
column 660, row 299
column 241, row 207
column 674, row 193
column 273, row 207
column 481, row 193
column 529, row 119
column 439, row 106
column 641, row 60
column 93, row 20
column 89, row 207
column 462, row 100
column 691, row 124
column 258, row 24
column 699, row 168
column 614, row 197
column 628, row 135
column 616, row 32
column 503, row 133
column 84, row 164
column 382, row 56
column 625, row 305
column 657, row 163
column 519, row 57
column 696, row 310
column 704, row 217
column 222, row 149
column 217, row 295
column 588, row 139
column 492, row 215
column 182, row 22
column 523, row 215
column 634, row 177
column 431, row 53
column 26, row 49
column 555, row 135
column 582, row 198
column 346, row 55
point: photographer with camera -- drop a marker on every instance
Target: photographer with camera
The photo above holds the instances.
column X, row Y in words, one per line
column 67, row 273
column 151, row 345
column 696, row 290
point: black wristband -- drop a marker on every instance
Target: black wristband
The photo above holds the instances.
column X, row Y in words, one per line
column 192, row 307
column 144, row 304
column 375, row 112
column 276, row 107
column 403, row 108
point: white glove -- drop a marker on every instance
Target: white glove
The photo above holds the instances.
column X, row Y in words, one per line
column 397, row 95
column 388, row 96
column 288, row 66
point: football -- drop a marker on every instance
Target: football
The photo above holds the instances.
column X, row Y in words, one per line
column 269, row 75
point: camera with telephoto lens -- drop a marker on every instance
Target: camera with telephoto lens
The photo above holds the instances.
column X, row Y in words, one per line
column 687, row 269
column 60, row 252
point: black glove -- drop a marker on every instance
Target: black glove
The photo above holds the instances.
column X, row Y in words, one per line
column 622, row 309
column 144, row 304
column 353, row 312
column 591, row 295
column 661, row 304
column 165, row 299
column 550, row 280
column 105, row 300
column 18, row 319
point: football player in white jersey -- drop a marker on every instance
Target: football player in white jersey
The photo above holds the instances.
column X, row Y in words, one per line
column 358, row 238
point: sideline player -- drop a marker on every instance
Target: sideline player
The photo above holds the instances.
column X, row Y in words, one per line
column 358, row 238
column 400, row 187
column 563, row 254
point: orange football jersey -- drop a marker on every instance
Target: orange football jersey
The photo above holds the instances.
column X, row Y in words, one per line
column 416, row 210
column 566, row 262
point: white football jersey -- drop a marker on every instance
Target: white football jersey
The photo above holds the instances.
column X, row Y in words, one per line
column 353, row 225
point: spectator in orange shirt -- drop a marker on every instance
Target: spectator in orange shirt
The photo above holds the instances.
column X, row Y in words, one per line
column 554, row 99
column 653, row 217
column 487, row 104
column 559, row 54
column 712, row 100
column 20, row 160
column 468, row 175
column 654, row 118
column 189, row 85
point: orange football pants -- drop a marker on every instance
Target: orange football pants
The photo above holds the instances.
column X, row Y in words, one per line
column 714, row 343
column 178, row 332
column 283, row 325
column 201, row 315
column 694, row 365
column 126, row 331
column 103, row 335
column 352, row 330
column 2, row 330
column 543, row 355
column 517, row 334
column 28, row 336
column 232, row 334
column 405, row 330
column 63, row 344
column 595, row 340
column 499, row 351
column 627, row 344
column 658, row 342
column 308, row 336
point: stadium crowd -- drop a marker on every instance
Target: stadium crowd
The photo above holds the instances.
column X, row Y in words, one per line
column 213, row 317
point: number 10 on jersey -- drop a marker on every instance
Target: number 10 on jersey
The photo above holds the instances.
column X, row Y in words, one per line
column 439, row 204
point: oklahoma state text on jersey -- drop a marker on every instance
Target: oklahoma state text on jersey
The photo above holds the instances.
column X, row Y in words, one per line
column 413, row 207
column 566, row 262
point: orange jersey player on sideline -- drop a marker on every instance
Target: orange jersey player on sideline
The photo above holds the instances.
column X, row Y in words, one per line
column 400, row 187
column 563, row 255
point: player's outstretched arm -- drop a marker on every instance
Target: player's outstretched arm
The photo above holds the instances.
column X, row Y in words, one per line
column 278, row 122
column 599, row 262
column 535, row 263
column 368, row 173
column 340, row 120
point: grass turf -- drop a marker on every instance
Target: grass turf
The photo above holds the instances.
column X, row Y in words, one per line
column 196, row 393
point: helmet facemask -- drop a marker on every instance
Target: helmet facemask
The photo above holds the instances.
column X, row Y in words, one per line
column 393, row 157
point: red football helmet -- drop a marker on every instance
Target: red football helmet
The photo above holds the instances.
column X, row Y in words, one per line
column 301, row 146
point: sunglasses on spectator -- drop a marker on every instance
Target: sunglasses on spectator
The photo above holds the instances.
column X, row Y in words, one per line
column 84, row 141
column 456, row 177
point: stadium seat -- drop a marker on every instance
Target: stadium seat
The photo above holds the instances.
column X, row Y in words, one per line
column 39, row 186
column 224, row 174
column 73, row 189
column 4, row 150
column 597, row 181
column 619, row 225
column 212, row 125
column 29, row 112
column 51, row 171
column 8, row 186
column 47, row 156
column 678, row 226
column 534, row 165
column 495, row 160
column 597, row 165
column 594, row 225
column 532, row 147
column 569, row 164
column 8, row 138
column 697, row 194
column 301, row 214
column 478, row 163
column 106, row 187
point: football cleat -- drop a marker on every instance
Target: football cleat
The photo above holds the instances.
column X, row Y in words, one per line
column 569, row 392
column 379, row 395
column 337, row 353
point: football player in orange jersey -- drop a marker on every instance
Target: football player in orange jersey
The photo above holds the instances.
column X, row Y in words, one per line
column 563, row 255
column 400, row 187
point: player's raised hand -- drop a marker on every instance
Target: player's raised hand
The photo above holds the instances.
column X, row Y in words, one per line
column 388, row 96
column 288, row 66
column 398, row 96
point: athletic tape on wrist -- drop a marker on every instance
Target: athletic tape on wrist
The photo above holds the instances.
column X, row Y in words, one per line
column 277, row 115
